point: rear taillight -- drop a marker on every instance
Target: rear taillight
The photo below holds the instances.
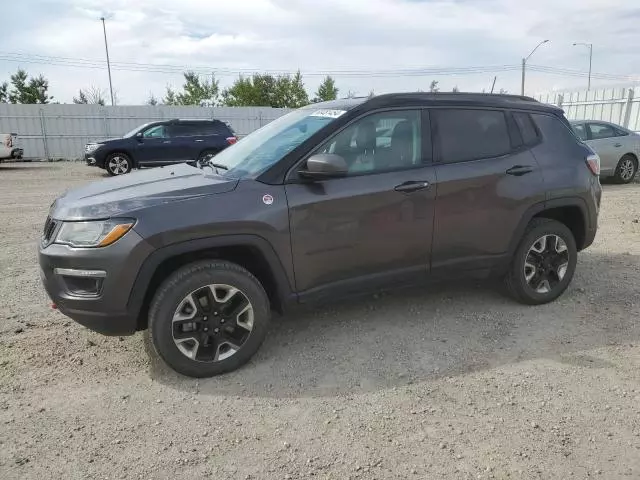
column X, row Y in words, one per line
column 232, row 140
column 593, row 162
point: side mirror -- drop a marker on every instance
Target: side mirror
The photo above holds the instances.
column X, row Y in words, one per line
column 139, row 136
column 324, row 165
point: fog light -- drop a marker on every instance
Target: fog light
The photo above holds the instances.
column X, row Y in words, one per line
column 82, row 283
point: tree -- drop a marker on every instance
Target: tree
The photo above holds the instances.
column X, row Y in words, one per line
column 90, row 96
column 196, row 91
column 433, row 88
column 327, row 90
column 28, row 90
column 503, row 91
column 4, row 92
column 152, row 100
column 170, row 97
column 455, row 89
column 372, row 94
column 264, row 90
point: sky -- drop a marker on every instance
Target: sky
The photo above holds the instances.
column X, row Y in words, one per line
column 366, row 45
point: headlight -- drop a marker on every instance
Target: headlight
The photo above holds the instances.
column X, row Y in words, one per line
column 91, row 147
column 93, row 234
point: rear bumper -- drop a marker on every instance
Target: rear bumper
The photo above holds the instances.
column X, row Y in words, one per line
column 593, row 212
column 104, row 310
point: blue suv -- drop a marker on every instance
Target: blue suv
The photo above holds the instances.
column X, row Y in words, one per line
column 161, row 143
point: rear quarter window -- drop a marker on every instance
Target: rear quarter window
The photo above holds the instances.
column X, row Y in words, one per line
column 557, row 138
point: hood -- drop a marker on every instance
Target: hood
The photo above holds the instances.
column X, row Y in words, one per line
column 119, row 196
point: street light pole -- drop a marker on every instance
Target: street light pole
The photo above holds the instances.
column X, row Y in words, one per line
column 590, row 46
column 524, row 62
column 106, row 48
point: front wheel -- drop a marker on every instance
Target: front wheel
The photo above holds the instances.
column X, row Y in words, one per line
column 626, row 169
column 118, row 164
column 208, row 318
column 544, row 263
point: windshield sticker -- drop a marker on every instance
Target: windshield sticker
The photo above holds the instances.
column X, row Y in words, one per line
column 328, row 113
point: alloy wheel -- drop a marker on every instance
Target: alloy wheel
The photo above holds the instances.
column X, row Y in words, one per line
column 626, row 169
column 118, row 165
column 212, row 323
column 546, row 263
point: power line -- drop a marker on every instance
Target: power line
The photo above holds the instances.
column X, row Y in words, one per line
column 164, row 68
column 74, row 62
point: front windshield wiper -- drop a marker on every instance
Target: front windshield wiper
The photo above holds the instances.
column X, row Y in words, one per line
column 213, row 166
column 218, row 165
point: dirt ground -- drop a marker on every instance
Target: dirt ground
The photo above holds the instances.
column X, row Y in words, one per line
column 455, row 381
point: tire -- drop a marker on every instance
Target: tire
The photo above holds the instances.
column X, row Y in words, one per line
column 526, row 276
column 626, row 169
column 192, row 348
column 118, row 164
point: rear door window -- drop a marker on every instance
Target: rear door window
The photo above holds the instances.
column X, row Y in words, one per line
column 182, row 130
column 465, row 135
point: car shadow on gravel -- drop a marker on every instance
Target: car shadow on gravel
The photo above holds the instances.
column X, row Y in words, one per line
column 416, row 335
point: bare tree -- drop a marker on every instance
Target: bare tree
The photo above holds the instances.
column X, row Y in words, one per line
column 92, row 96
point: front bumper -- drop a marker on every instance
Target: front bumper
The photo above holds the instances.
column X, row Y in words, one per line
column 104, row 309
column 94, row 159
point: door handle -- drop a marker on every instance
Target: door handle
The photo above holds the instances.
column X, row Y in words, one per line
column 412, row 186
column 618, row 145
column 199, row 140
column 167, row 141
column 519, row 170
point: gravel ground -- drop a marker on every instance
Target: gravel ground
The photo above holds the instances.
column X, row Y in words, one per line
column 455, row 381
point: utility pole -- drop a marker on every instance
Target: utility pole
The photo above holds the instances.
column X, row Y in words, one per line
column 590, row 47
column 494, row 83
column 524, row 63
column 106, row 48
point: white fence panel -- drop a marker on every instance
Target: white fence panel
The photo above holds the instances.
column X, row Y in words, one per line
column 616, row 105
column 61, row 131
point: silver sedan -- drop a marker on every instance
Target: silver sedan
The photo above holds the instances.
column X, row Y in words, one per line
column 618, row 148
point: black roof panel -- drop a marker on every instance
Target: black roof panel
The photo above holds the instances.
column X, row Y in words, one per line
column 437, row 99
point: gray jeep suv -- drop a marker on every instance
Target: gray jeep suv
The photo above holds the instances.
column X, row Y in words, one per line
column 335, row 198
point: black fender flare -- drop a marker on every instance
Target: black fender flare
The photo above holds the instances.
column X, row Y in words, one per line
column 139, row 291
column 537, row 208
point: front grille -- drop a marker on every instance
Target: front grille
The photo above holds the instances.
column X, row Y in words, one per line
column 49, row 229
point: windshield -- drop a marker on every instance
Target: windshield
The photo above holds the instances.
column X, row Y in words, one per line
column 135, row 130
column 266, row 146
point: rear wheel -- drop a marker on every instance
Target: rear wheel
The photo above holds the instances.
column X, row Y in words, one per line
column 208, row 318
column 544, row 263
column 118, row 164
column 626, row 169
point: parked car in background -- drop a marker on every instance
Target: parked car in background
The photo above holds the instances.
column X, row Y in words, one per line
column 9, row 146
column 618, row 147
column 468, row 185
column 161, row 143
